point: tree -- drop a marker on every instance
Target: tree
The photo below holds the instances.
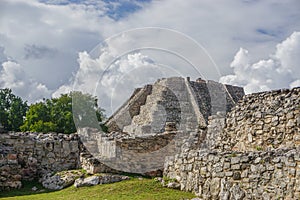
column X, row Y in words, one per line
column 86, row 111
column 56, row 114
column 37, row 115
column 61, row 114
column 12, row 110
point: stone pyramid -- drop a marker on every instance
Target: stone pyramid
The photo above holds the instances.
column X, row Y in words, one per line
column 185, row 103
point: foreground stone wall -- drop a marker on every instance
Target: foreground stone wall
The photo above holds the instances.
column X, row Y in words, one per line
column 9, row 172
column 265, row 120
column 237, row 175
column 253, row 153
column 26, row 156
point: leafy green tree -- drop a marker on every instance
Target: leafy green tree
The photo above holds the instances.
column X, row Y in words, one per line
column 37, row 115
column 56, row 114
column 41, row 126
column 87, row 112
column 61, row 114
column 12, row 110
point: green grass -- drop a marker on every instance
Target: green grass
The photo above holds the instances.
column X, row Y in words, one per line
column 25, row 190
column 132, row 189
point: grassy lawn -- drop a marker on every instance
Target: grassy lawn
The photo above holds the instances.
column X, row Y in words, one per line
column 137, row 189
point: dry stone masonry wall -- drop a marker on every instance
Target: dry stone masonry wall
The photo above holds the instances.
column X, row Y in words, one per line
column 237, row 175
column 263, row 121
column 26, row 156
column 253, row 153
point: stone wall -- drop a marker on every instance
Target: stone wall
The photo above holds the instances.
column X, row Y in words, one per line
column 252, row 153
column 238, row 175
column 26, row 156
column 123, row 152
column 266, row 120
column 9, row 172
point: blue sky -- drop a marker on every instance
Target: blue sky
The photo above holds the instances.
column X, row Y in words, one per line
column 44, row 44
column 115, row 9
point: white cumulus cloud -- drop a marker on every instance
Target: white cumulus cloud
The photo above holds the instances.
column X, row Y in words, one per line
column 114, row 83
column 280, row 70
column 13, row 76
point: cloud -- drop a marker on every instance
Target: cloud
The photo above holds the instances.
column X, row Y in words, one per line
column 86, row 76
column 44, row 37
column 114, row 84
column 13, row 76
column 224, row 26
column 288, row 54
column 38, row 52
column 280, row 70
column 114, row 68
column 3, row 57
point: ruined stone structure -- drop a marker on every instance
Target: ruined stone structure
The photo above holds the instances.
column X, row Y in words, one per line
column 181, row 101
column 254, row 154
column 147, row 124
column 208, row 137
column 154, row 122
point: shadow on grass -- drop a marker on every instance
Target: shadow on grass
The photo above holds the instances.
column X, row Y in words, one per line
column 25, row 190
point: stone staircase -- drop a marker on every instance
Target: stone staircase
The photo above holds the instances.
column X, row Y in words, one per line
column 203, row 98
column 152, row 115
column 170, row 101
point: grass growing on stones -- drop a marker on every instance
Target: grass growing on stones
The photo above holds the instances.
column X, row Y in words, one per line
column 135, row 189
